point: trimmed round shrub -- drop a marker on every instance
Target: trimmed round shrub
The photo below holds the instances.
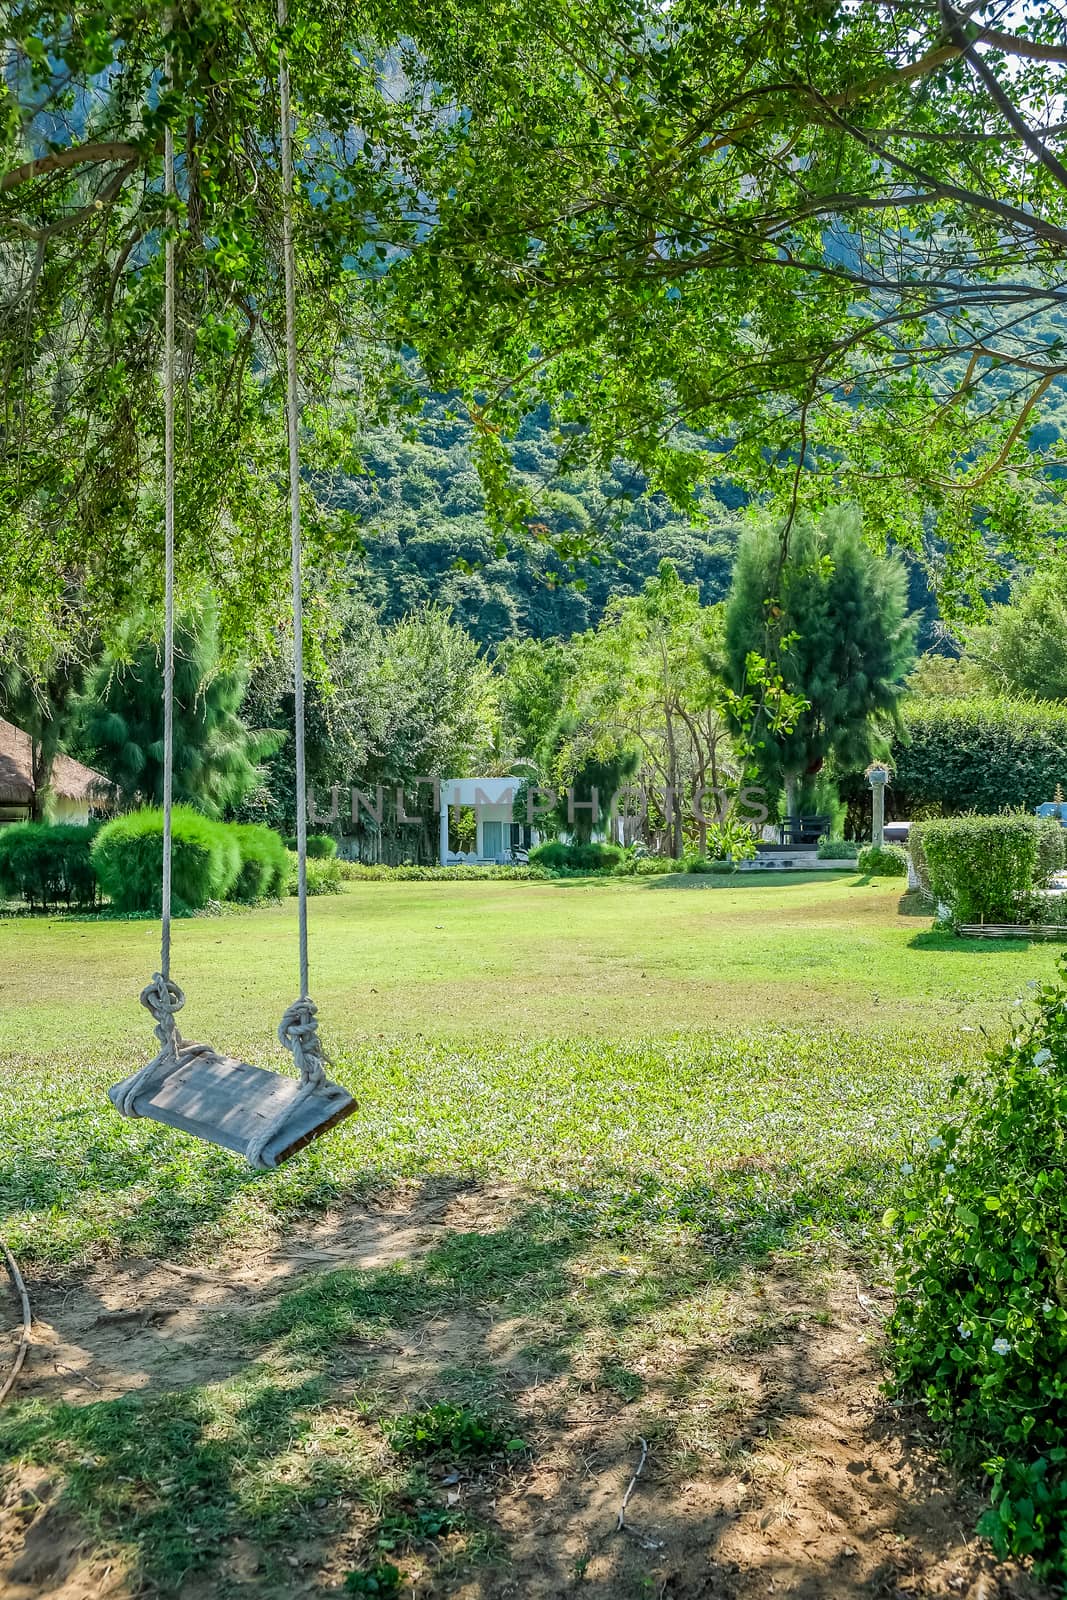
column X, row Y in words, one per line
column 981, row 867
column 325, row 875
column 48, row 864
column 127, row 856
column 883, row 861
column 979, row 1334
column 560, row 857
column 837, row 850
column 264, row 870
column 320, row 846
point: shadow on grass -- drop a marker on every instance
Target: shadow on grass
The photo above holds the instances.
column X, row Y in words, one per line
column 947, row 943
column 736, row 880
column 291, row 1448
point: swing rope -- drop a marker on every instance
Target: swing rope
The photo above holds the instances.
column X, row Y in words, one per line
column 298, row 1030
column 163, row 998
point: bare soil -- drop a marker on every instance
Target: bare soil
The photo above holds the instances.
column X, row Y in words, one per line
column 759, row 1459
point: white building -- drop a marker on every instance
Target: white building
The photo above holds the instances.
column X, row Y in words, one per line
column 498, row 836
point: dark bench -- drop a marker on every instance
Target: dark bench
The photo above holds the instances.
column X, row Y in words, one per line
column 801, row 831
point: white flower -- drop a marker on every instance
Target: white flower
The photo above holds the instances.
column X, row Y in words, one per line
column 963, row 1331
column 1046, row 1306
column 906, row 1168
column 1001, row 1347
column 1041, row 1057
column 936, row 1142
column 1016, row 1002
column 950, row 1166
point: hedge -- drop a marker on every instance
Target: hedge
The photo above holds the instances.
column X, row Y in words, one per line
column 320, row 846
column 127, row 856
column 983, row 868
column 468, row 871
column 47, row 864
column 837, row 850
column 557, row 856
column 264, row 870
column 983, row 755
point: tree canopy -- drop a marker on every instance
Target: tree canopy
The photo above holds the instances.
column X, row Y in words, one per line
column 828, row 237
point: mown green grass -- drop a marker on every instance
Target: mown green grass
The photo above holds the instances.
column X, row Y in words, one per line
column 631, row 1042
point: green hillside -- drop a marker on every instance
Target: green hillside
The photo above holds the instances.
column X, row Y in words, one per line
column 425, row 535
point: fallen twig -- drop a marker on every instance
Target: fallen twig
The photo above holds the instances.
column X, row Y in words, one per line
column 621, row 1524
column 205, row 1277
column 24, row 1341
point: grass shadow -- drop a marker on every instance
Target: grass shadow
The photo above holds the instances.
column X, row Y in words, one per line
column 947, row 943
column 170, row 1478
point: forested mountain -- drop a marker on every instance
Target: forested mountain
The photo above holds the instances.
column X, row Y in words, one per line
column 425, row 535
column 421, row 514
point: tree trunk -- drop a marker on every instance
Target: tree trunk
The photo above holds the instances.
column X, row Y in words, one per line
column 791, row 794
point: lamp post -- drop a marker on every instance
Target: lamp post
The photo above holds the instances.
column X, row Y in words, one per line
column 878, row 777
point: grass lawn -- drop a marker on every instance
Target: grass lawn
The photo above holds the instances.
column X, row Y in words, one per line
column 638, row 1035
column 671, row 1087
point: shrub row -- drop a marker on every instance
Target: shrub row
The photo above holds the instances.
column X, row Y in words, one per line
column 48, row 864
column 986, row 869
column 560, row 857
column 357, row 871
column 209, row 860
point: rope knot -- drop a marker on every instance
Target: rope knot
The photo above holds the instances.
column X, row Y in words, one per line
column 164, row 999
column 299, row 1033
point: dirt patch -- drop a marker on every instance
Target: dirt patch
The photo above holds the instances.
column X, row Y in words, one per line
column 747, row 1438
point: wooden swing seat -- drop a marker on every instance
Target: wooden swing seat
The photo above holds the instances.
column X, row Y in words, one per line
column 230, row 1103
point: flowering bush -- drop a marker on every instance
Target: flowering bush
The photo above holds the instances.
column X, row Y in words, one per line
column 979, row 1335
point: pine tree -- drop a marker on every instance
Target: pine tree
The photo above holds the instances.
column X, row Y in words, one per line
column 216, row 755
column 832, row 619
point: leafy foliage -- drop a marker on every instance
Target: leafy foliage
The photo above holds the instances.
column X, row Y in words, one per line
column 89, row 95
column 978, row 754
column 47, row 865
column 264, row 870
column 426, row 537
column 589, row 857
column 979, row 1334
column 830, row 617
column 319, row 845
column 982, row 868
column 325, row 875
column 215, row 752
column 837, row 850
column 1021, row 648
column 883, row 861
column 127, row 857
column 444, row 1429
column 855, row 218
